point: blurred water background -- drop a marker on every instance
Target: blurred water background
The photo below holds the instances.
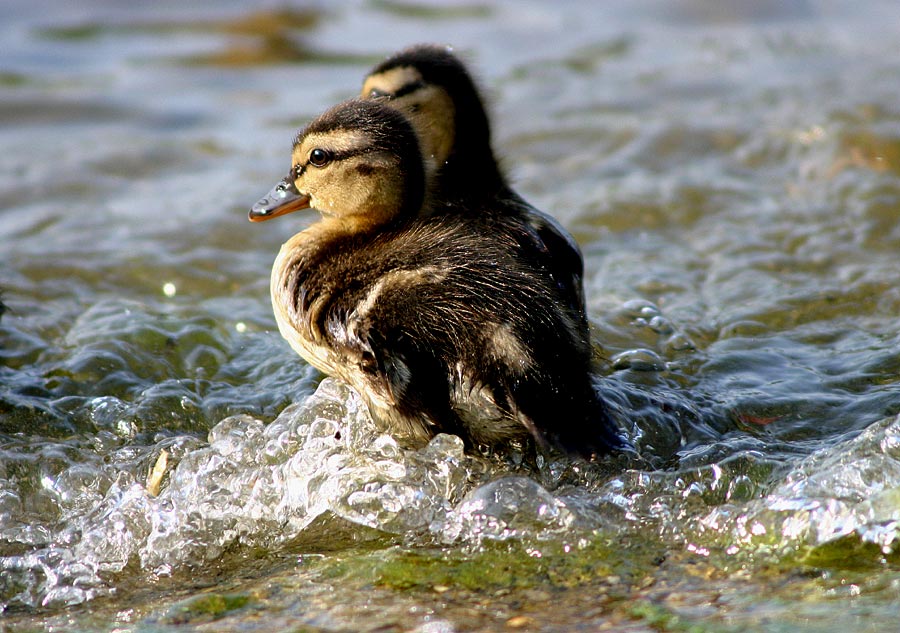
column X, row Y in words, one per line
column 732, row 172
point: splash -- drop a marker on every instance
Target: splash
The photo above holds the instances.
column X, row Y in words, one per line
column 253, row 485
column 823, row 509
column 323, row 470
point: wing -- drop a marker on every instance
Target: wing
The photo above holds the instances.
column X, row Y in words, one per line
column 394, row 351
column 558, row 247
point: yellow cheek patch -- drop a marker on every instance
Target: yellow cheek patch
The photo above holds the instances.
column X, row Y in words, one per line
column 434, row 118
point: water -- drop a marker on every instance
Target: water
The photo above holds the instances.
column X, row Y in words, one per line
column 733, row 176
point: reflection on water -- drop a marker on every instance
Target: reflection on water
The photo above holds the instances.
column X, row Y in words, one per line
column 732, row 176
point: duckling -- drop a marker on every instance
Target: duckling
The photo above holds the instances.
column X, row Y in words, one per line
column 433, row 88
column 440, row 324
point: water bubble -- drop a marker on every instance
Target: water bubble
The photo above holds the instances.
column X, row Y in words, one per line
column 640, row 308
column 505, row 508
column 106, row 411
column 639, row 360
column 125, row 428
column 679, row 342
column 660, row 325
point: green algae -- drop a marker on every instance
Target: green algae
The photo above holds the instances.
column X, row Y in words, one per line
column 206, row 608
column 848, row 553
column 504, row 565
column 663, row 619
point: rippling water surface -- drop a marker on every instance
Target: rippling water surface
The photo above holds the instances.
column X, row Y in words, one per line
column 733, row 176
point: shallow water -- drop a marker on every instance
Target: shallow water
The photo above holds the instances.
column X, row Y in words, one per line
column 733, row 176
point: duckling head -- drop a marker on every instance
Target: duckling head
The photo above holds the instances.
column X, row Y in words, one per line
column 433, row 88
column 358, row 164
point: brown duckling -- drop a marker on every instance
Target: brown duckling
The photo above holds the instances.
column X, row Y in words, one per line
column 433, row 88
column 440, row 324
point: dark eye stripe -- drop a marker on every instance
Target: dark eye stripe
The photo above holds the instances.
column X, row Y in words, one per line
column 300, row 168
column 408, row 88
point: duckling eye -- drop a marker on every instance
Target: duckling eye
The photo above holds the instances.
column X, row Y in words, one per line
column 319, row 157
column 376, row 93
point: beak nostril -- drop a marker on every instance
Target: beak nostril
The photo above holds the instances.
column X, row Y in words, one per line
column 282, row 198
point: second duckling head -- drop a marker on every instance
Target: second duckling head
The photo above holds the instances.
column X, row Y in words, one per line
column 358, row 164
column 432, row 86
